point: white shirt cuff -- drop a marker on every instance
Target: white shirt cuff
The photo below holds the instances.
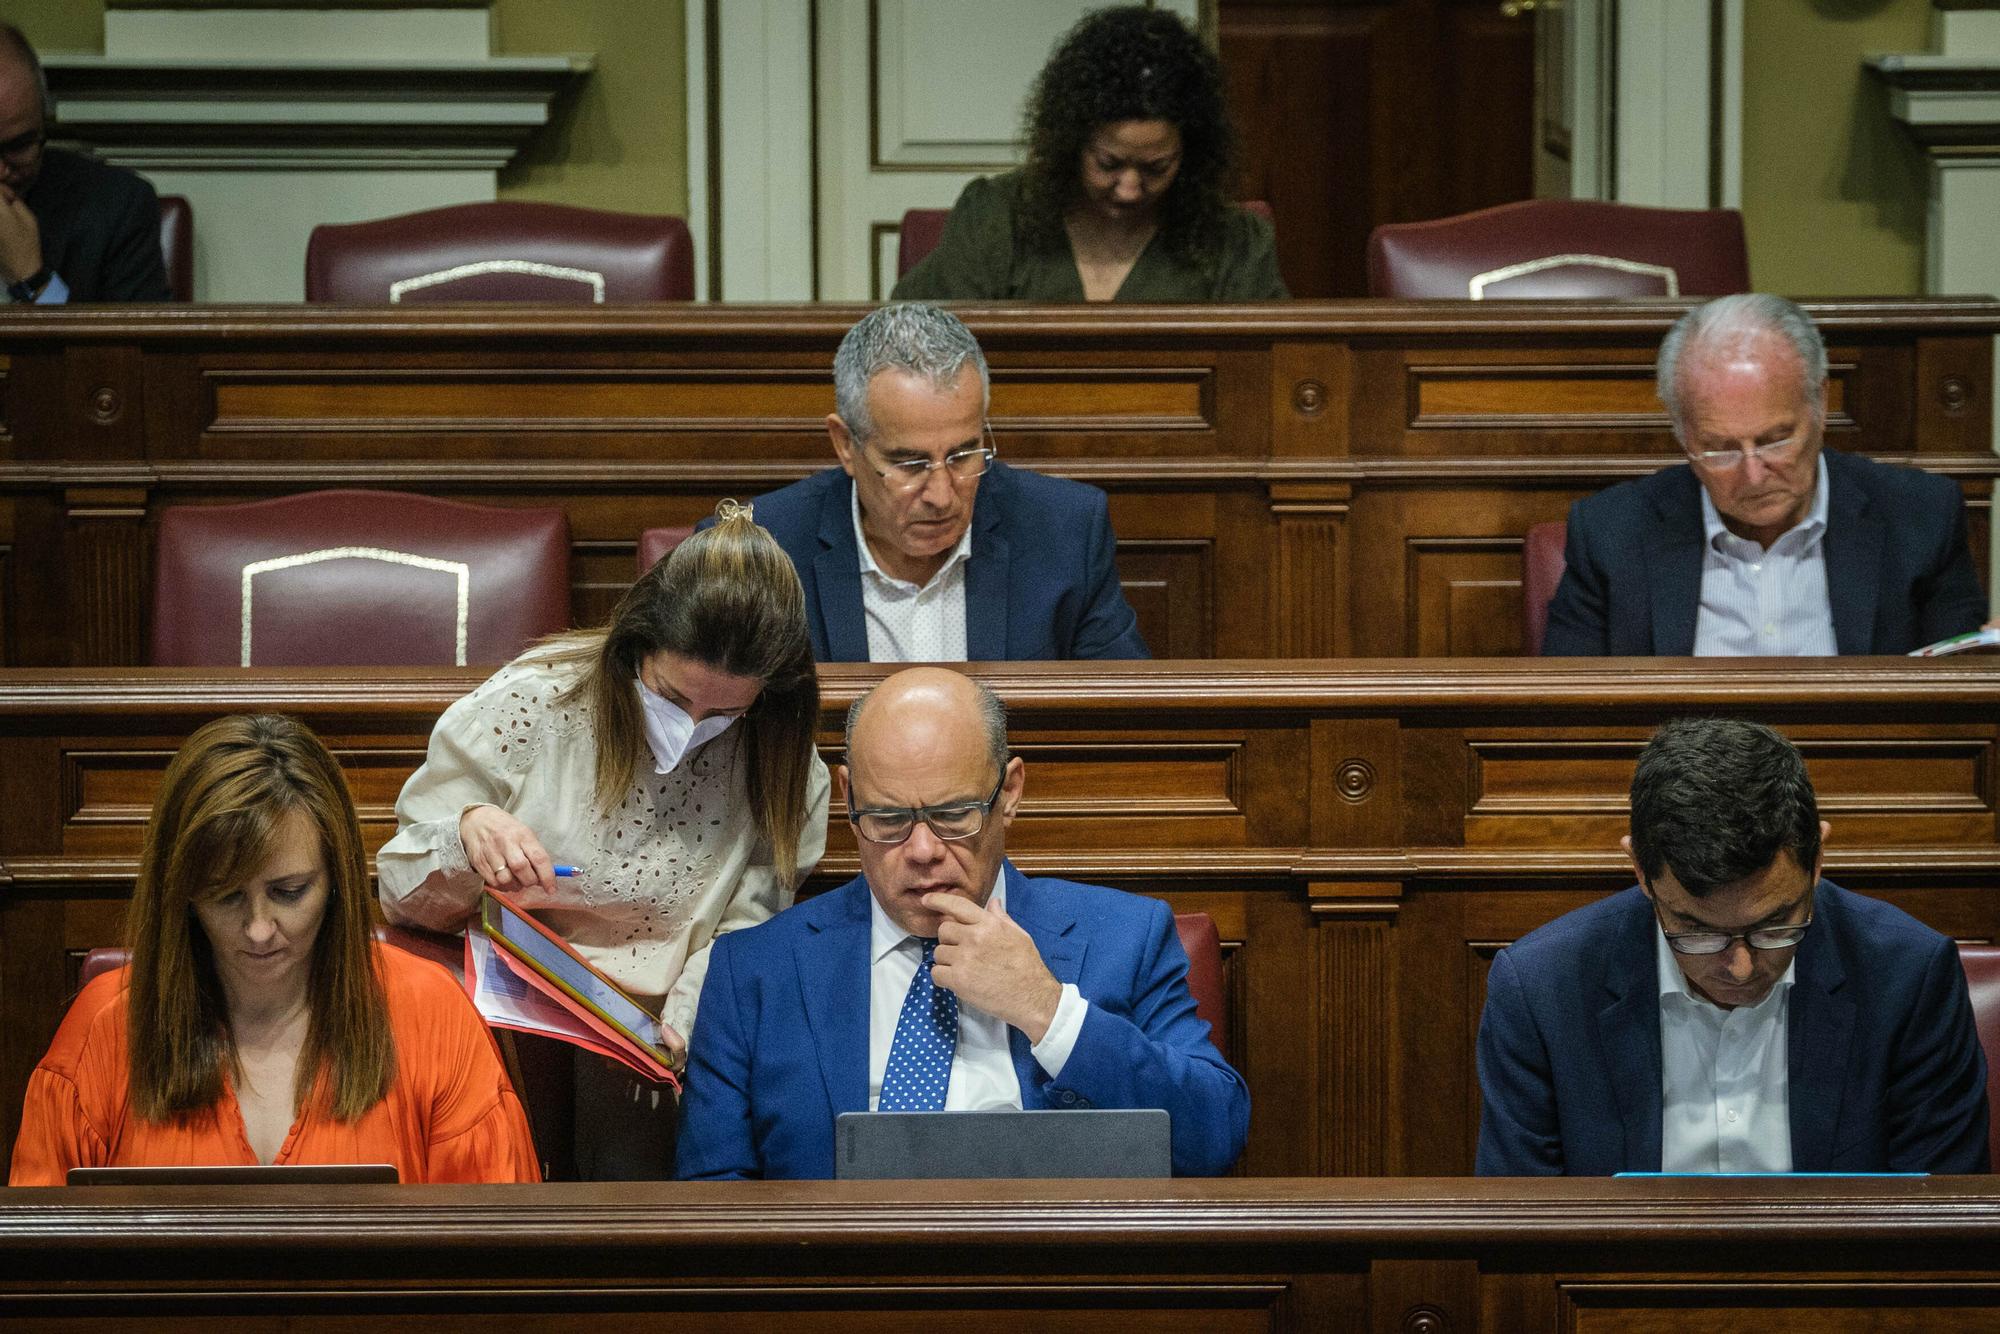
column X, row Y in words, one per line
column 1052, row 1052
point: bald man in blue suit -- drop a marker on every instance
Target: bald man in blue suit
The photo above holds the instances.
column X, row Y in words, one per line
column 1067, row 996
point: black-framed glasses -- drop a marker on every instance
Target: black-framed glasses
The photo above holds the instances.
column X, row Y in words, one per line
column 961, row 465
column 956, row 820
column 22, row 146
column 1715, row 942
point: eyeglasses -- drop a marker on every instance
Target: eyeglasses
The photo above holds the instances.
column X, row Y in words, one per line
column 895, row 824
column 960, row 465
column 1715, row 942
column 22, row 146
column 1777, row 453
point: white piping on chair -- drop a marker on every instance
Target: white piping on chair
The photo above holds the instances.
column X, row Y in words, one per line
column 483, row 266
column 457, row 568
column 1478, row 284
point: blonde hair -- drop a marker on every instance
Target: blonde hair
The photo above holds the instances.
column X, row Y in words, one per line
column 729, row 598
column 215, row 822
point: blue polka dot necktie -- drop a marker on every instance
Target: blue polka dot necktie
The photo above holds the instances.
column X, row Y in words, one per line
column 919, row 1069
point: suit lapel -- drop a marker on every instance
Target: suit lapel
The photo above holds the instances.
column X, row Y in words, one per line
column 832, row 959
column 1819, row 1029
column 1042, row 914
column 1853, row 545
column 837, row 575
column 1628, row 1027
column 1673, row 564
column 987, row 572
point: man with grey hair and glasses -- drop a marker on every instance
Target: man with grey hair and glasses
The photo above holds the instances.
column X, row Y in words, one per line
column 1763, row 543
column 941, row 978
column 1733, row 1011
column 71, row 228
column 922, row 546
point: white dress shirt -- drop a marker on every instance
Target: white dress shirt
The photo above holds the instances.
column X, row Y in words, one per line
column 982, row 1068
column 907, row 623
column 1765, row 603
column 1724, row 1084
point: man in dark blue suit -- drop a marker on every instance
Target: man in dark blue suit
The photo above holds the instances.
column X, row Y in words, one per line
column 1764, row 543
column 942, row 978
column 1732, row 1012
column 898, row 562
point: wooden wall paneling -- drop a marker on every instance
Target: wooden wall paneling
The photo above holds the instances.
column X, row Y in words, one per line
column 1953, row 404
column 105, row 561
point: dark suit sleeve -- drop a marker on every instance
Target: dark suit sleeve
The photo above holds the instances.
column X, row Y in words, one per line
column 1936, row 1099
column 716, row 1141
column 1579, row 614
column 1108, row 627
column 1518, row 1133
column 1157, row 1054
column 1950, row 601
column 133, row 268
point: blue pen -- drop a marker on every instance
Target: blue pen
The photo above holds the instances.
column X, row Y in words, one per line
column 566, row 870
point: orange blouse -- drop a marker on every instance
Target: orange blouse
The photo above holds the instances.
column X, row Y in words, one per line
column 449, row 1114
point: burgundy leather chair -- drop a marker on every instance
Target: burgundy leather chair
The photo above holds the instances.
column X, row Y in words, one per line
column 1554, row 248
column 177, row 245
column 503, row 251
column 356, row 578
column 923, row 227
column 1982, row 977
column 657, row 542
column 1204, row 950
column 1542, row 567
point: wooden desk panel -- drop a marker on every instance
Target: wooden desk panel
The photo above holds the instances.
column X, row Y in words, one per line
column 1388, row 1257
column 1299, row 479
column 1366, row 834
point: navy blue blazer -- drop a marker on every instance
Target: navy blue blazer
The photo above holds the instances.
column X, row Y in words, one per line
column 1039, row 582
column 1899, row 573
column 1886, row 1072
column 100, row 229
column 780, row 1043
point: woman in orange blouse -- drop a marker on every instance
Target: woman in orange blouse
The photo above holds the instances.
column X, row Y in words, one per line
column 258, row 1021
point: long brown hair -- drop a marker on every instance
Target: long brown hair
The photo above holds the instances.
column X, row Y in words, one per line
column 729, row 598
column 221, row 804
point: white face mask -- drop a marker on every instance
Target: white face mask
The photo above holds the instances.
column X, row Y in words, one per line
column 671, row 733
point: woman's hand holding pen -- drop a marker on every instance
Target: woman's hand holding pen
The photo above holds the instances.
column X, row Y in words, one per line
column 505, row 851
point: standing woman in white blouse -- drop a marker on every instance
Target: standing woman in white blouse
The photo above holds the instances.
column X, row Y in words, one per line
column 669, row 759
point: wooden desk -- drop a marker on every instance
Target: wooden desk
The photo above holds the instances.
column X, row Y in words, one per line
column 1306, row 479
column 1366, row 834
column 1387, row 1256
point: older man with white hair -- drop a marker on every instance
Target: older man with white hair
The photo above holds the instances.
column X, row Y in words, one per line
column 1764, row 543
column 922, row 546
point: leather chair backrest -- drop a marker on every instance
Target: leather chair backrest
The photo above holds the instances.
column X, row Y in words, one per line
column 1982, row 978
column 1562, row 248
column 1204, row 950
column 356, row 578
column 177, row 245
column 1542, row 567
column 922, row 228
column 503, row 251
column 918, row 236
column 655, row 543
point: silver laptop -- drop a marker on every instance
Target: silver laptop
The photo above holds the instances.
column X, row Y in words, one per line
column 883, row 1146
column 301, row 1174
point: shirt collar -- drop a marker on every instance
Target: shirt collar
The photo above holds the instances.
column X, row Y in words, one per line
column 959, row 554
column 1811, row 526
column 885, row 937
column 1673, row 982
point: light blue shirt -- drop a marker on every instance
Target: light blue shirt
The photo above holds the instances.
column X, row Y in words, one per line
column 55, row 294
column 1765, row 603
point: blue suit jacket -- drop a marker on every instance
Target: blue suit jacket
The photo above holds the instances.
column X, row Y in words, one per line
column 1885, row 1068
column 1039, row 581
column 1899, row 573
column 780, row 1042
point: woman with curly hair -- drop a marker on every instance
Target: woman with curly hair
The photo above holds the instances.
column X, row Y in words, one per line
column 1122, row 197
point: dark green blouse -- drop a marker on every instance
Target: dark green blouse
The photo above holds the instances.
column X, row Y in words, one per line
column 978, row 259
